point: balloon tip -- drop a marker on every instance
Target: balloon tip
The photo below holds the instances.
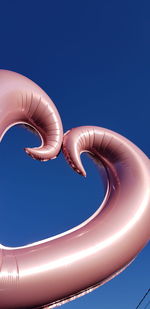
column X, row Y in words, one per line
column 81, row 172
column 34, row 155
column 84, row 174
column 29, row 153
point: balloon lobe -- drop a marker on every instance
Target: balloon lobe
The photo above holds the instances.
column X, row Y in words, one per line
column 23, row 102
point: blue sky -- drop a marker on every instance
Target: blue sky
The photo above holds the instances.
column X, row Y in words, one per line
column 93, row 60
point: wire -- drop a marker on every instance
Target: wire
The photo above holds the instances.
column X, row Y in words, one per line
column 142, row 299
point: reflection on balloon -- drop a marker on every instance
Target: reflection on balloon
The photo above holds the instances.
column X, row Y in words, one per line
column 53, row 271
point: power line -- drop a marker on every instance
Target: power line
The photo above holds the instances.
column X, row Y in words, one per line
column 142, row 299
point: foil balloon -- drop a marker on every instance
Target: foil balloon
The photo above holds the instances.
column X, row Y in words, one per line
column 23, row 102
column 53, row 271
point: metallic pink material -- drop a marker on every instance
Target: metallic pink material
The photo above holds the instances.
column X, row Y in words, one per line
column 53, row 271
column 23, row 102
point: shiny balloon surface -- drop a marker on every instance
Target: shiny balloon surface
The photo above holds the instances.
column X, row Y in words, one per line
column 95, row 251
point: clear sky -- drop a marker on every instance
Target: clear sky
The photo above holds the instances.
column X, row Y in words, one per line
column 93, row 60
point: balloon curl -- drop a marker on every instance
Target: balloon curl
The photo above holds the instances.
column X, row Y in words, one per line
column 24, row 102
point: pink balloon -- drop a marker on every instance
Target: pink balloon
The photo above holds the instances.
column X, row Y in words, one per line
column 23, row 102
column 61, row 268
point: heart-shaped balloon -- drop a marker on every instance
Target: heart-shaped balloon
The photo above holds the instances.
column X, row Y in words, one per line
column 53, row 271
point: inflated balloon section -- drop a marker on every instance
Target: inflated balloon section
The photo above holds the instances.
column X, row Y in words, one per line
column 53, row 271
